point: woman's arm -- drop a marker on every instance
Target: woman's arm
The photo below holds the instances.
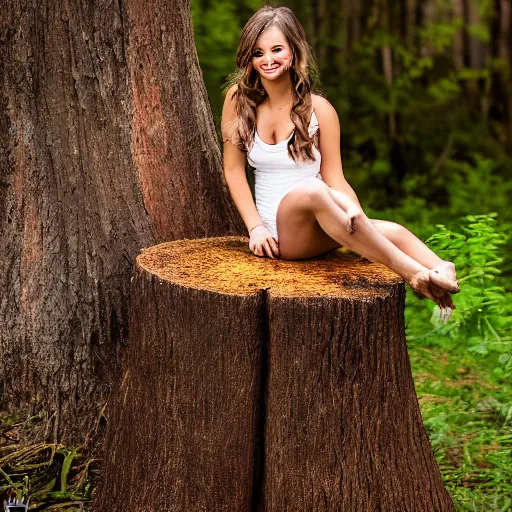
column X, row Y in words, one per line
column 331, row 167
column 261, row 241
column 234, row 168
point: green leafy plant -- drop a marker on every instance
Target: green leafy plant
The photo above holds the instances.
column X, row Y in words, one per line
column 463, row 370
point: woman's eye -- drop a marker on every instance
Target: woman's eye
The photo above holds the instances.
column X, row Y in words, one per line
column 259, row 54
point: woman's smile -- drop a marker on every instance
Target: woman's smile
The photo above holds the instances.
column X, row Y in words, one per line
column 271, row 70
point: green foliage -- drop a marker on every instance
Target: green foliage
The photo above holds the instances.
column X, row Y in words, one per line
column 440, row 34
column 483, row 317
column 463, row 370
column 421, row 134
column 477, row 182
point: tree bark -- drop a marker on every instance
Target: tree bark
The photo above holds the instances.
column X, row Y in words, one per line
column 292, row 375
column 107, row 145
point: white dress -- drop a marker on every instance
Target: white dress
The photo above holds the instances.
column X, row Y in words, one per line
column 276, row 173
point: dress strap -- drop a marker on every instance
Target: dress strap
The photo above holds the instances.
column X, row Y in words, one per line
column 313, row 124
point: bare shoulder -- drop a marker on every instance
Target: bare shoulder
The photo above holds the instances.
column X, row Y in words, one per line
column 325, row 112
column 228, row 116
column 229, row 102
column 231, row 91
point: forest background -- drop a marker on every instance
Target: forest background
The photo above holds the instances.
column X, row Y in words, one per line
column 424, row 96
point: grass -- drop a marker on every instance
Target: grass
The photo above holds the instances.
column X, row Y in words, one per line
column 59, row 477
column 460, row 400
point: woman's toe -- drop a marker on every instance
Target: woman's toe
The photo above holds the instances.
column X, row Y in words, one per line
column 440, row 280
column 447, row 270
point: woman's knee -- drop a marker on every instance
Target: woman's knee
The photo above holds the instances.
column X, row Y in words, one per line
column 311, row 192
column 319, row 193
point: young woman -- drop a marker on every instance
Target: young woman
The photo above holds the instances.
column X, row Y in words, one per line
column 304, row 206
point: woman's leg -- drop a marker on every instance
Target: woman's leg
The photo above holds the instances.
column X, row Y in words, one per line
column 406, row 241
column 414, row 247
column 308, row 213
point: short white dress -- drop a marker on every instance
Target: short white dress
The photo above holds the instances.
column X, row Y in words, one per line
column 276, row 173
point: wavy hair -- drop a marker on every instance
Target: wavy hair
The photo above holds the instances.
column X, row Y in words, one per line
column 249, row 92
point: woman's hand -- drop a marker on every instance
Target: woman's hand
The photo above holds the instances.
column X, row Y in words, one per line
column 354, row 213
column 262, row 243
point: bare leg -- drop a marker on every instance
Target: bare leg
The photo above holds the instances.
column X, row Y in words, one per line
column 399, row 235
column 312, row 202
column 351, row 209
column 406, row 241
column 415, row 248
column 366, row 240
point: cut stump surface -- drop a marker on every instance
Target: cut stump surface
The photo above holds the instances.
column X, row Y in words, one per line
column 226, row 265
column 254, row 384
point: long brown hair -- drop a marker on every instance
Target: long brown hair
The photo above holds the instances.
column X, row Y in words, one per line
column 249, row 92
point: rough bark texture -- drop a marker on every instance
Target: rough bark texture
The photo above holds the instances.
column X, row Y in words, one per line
column 344, row 428
column 107, row 145
column 266, row 385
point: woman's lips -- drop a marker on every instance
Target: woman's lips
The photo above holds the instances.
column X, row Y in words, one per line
column 269, row 70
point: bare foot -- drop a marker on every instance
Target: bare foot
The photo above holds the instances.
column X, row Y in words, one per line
column 420, row 282
column 441, row 297
column 443, row 275
column 435, row 287
column 446, row 269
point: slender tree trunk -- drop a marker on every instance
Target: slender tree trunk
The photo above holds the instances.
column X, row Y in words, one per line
column 477, row 50
column 501, row 27
column 418, row 18
column 353, row 24
column 459, row 39
column 386, row 17
column 505, row 53
column 369, row 15
column 107, row 145
column 322, row 34
column 426, row 13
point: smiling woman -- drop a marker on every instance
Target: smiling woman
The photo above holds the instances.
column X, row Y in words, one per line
column 291, row 136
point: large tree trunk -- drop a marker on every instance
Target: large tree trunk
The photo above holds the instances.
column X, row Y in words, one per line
column 107, row 145
column 253, row 384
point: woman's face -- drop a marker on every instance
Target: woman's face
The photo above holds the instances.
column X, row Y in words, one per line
column 272, row 55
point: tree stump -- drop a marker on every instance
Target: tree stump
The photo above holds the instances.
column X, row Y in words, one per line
column 255, row 384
